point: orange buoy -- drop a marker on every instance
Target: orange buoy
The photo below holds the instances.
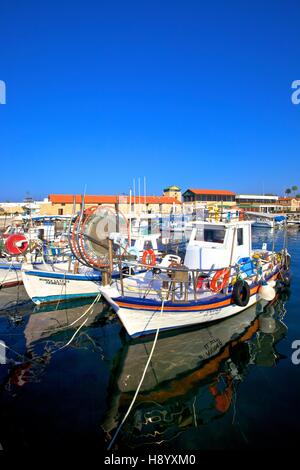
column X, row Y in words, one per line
column 149, row 258
column 220, row 280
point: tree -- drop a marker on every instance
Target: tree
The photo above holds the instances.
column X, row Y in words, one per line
column 288, row 191
column 298, row 196
column 294, row 189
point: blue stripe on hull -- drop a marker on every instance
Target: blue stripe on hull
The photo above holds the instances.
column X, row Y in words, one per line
column 73, row 277
column 138, row 303
column 12, row 268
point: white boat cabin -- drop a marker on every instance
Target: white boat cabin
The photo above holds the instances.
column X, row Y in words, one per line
column 138, row 243
column 218, row 245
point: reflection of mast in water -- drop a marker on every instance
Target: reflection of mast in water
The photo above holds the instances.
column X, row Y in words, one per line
column 193, row 376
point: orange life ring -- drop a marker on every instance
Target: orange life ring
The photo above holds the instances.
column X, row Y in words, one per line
column 149, row 254
column 220, row 280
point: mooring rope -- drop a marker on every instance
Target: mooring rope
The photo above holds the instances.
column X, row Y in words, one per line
column 11, row 267
column 82, row 324
column 139, row 385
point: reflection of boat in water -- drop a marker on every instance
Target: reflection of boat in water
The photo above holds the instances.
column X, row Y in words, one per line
column 48, row 330
column 49, row 320
column 192, row 377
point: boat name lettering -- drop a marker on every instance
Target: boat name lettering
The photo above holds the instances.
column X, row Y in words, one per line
column 57, row 282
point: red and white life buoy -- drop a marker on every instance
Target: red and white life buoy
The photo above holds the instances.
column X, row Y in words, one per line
column 16, row 244
column 220, row 280
column 149, row 258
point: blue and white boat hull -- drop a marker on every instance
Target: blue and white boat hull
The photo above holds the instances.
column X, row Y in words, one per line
column 46, row 286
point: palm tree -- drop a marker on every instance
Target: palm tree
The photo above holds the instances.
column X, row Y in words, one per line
column 288, row 191
column 294, row 188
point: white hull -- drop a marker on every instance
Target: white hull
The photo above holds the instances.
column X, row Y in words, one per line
column 141, row 322
column 9, row 277
column 45, row 287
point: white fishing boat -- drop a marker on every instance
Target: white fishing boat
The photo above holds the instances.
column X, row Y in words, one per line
column 266, row 220
column 15, row 248
column 19, row 249
column 220, row 276
column 10, row 274
column 46, row 284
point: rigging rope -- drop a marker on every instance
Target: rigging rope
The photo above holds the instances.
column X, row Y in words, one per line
column 140, row 383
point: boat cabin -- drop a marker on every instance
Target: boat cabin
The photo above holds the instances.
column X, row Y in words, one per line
column 138, row 243
column 218, row 245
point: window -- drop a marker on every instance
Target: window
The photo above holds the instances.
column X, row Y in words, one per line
column 214, row 236
column 210, row 235
column 60, row 211
column 240, row 237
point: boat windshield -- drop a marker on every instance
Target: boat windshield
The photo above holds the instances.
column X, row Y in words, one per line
column 211, row 235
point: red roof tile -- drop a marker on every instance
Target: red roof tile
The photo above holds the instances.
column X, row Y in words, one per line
column 90, row 199
column 212, row 192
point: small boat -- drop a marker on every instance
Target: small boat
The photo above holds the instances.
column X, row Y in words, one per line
column 18, row 248
column 10, row 274
column 46, row 284
column 220, row 276
column 266, row 220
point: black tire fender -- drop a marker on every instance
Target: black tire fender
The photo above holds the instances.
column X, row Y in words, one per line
column 241, row 293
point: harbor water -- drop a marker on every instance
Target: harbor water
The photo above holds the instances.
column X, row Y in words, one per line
column 68, row 376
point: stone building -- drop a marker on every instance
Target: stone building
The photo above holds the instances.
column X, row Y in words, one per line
column 193, row 198
column 174, row 192
column 63, row 204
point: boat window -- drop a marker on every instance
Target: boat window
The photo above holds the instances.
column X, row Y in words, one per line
column 216, row 235
column 240, row 237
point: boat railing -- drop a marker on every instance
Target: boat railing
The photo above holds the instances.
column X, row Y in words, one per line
column 180, row 282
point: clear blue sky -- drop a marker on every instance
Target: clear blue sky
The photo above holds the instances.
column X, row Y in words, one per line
column 193, row 93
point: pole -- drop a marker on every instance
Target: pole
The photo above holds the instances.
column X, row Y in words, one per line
column 130, row 197
column 117, row 212
column 231, row 256
column 110, row 258
column 139, row 183
column 133, row 194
